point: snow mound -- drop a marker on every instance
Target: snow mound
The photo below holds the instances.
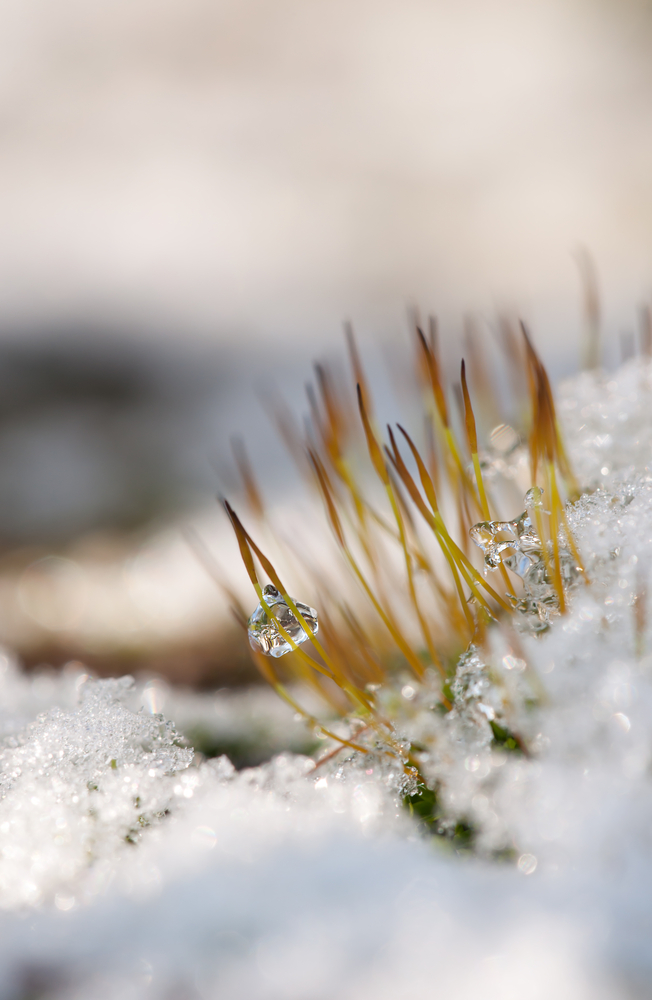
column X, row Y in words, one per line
column 76, row 786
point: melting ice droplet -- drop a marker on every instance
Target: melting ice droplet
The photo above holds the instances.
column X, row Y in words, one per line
column 263, row 629
column 517, row 546
column 533, row 498
column 513, row 543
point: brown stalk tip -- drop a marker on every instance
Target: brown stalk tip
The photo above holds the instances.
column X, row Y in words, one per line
column 356, row 364
column 435, row 377
column 243, row 542
column 253, row 495
column 469, row 419
column 392, row 441
column 373, row 447
column 424, row 475
column 531, row 353
column 322, row 479
column 433, row 333
column 247, row 543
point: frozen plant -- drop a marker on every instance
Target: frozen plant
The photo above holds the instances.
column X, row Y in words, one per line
column 529, row 752
column 438, row 613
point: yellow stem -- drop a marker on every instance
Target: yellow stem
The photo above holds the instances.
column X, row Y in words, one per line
column 555, row 503
column 413, row 594
column 486, row 513
column 396, row 635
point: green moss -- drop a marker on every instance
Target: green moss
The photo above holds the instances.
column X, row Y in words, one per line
column 504, row 739
column 247, row 749
column 425, row 807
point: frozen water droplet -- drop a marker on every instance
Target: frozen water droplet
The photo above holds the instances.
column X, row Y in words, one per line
column 517, row 546
column 513, row 543
column 264, row 629
column 533, row 498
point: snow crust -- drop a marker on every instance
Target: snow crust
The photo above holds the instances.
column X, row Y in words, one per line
column 130, row 870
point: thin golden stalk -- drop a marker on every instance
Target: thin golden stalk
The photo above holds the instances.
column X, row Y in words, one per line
column 457, row 553
column 245, row 545
column 429, row 518
column 411, row 586
column 540, row 388
column 572, row 543
column 554, row 531
column 549, row 450
column 436, row 384
column 363, row 645
column 212, row 568
column 472, row 437
column 390, row 625
column 332, row 669
column 284, row 693
column 382, row 472
column 333, row 753
column 252, row 493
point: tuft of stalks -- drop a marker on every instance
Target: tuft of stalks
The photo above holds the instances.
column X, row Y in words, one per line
column 409, row 596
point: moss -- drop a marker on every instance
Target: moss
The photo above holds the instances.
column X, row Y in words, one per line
column 247, row 749
column 425, row 807
column 504, row 739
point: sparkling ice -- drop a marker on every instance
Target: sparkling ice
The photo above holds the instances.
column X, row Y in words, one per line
column 517, row 546
column 264, row 632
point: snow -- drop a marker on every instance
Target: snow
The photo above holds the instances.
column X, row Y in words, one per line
column 130, row 869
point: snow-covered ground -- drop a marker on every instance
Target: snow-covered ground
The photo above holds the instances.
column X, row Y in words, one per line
column 129, row 870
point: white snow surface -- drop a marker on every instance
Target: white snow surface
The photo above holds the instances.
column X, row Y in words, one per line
column 128, row 870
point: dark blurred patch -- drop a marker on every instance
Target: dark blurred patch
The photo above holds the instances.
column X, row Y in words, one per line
column 248, row 749
column 38, row 981
column 107, row 441
column 220, row 660
column 100, row 431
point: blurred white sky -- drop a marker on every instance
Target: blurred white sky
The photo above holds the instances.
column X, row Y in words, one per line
column 267, row 167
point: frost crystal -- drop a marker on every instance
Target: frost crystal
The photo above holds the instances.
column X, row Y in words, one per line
column 265, row 631
column 75, row 786
column 517, row 546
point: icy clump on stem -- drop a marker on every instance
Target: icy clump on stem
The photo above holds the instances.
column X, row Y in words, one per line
column 273, row 615
column 517, row 546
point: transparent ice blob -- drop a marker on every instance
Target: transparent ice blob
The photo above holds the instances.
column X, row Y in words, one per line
column 518, row 538
column 516, row 545
column 264, row 632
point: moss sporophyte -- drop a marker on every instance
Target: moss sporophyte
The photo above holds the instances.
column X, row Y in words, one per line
column 412, row 600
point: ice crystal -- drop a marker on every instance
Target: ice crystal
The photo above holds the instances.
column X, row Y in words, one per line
column 265, row 629
column 516, row 545
column 506, row 458
column 473, row 693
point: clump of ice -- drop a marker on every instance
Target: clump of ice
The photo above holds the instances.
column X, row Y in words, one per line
column 126, row 873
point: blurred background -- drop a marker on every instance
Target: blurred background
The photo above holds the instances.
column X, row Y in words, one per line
column 194, row 194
